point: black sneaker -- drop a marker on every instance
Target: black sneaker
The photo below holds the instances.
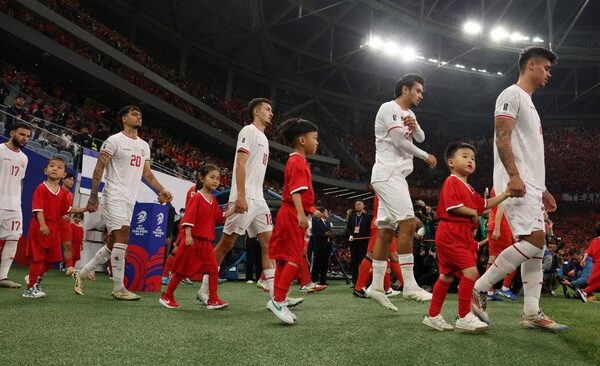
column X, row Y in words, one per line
column 359, row 293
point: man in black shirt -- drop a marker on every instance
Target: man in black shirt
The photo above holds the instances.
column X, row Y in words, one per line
column 321, row 237
column 358, row 229
column 16, row 112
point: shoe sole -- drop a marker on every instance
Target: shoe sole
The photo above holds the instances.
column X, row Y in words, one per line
column 216, row 307
column 77, row 287
column 360, row 296
column 166, row 305
column 415, row 297
column 295, row 304
column 527, row 325
column 580, row 296
column 476, row 330
column 126, row 299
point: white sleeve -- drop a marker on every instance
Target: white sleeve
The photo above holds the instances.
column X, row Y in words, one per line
column 245, row 141
column 507, row 104
column 418, row 134
column 109, row 146
column 405, row 145
column 390, row 118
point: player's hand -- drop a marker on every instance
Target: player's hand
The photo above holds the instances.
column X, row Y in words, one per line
column 431, row 161
column 496, row 234
column 410, row 122
column 582, row 263
column 66, row 218
column 241, row 205
column 516, row 187
column 165, row 196
column 302, row 221
column 548, row 201
column 92, row 204
column 189, row 241
column 44, row 229
column 566, row 282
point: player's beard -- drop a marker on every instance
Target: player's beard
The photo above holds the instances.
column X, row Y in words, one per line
column 16, row 143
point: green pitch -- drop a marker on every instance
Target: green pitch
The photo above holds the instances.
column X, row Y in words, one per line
column 334, row 329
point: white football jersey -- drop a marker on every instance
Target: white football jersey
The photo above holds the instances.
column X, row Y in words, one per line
column 124, row 171
column 527, row 140
column 12, row 172
column 253, row 142
column 388, row 159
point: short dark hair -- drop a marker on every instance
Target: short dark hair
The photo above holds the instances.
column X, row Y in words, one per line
column 455, row 146
column 79, row 214
column 293, row 128
column 597, row 228
column 255, row 103
column 125, row 110
column 409, row 81
column 69, row 175
column 534, row 52
column 57, row 158
column 18, row 125
column 573, row 251
column 19, row 96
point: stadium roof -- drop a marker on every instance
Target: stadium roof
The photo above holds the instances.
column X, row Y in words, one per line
column 323, row 46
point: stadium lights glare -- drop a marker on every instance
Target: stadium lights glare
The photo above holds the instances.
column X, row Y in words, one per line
column 460, row 66
column 391, row 48
column 499, row 34
column 408, row 54
column 518, row 37
column 375, row 42
column 538, row 40
column 499, row 73
column 473, row 69
column 482, row 70
column 472, row 27
column 432, row 60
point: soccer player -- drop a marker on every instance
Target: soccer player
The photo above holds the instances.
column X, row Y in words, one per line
column 197, row 254
column 50, row 203
column 459, row 207
column 246, row 195
column 593, row 283
column 13, row 163
column 395, row 128
column 77, row 237
column 288, row 244
column 65, row 227
column 126, row 158
column 500, row 237
column 519, row 164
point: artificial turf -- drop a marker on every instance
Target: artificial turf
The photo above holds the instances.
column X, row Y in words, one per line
column 333, row 328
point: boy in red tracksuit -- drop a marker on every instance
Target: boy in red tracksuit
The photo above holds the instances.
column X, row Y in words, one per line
column 458, row 210
column 196, row 254
column 593, row 283
column 287, row 245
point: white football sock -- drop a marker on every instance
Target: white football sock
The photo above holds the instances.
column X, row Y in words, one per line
column 100, row 258
column 532, row 276
column 504, row 288
column 505, row 263
column 407, row 263
column 270, row 278
column 117, row 263
column 378, row 274
column 8, row 255
column 204, row 286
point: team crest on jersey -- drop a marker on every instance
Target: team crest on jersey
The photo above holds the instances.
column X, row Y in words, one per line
column 505, row 107
column 243, row 140
column 142, row 152
column 394, row 117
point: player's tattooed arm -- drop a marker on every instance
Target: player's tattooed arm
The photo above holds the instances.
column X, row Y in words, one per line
column 101, row 163
column 504, row 128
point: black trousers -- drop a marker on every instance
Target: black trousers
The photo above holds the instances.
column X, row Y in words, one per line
column 253, row 259
column 322, row 252
column 358, row 250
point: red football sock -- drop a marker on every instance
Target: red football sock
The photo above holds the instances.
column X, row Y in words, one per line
column 395, row 267
column 440, row 290
column 304, row 273
column 36, row 269
column 284, row 281
column 508, row 279
column 47, row 267
column 262, row 276
column 279, row 266
column 213, row 285
column 173, row 283
column 364, row 274
column 168, row 265
column 465, row 291
column 2, row 245
column 387, row 282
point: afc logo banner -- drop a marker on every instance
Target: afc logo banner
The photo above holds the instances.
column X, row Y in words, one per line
column 141, row 217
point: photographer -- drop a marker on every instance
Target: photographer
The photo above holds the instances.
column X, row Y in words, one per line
column 578, row 276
